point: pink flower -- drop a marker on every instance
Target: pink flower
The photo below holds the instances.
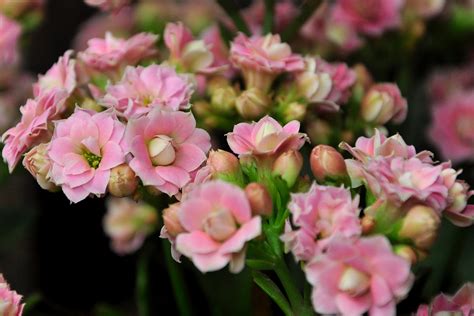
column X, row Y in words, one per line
column 33, row 127
column 128, row 223
column 176, row 36
column 108, row 5
column 218, row 221
column 371, row 17
column 142, row 89
column 452, row 129
column 262, row 58
column 9, row 35
column 461, row 303
column 111, row 53
column 213, row 39
column 83, row 149
column 342, row 77
column 319, row 215
column 265, row 137
column 167, row 149
column 383, row 103
column 457, row 211
column 9, row 300
column 354, row 277
column 62, row 75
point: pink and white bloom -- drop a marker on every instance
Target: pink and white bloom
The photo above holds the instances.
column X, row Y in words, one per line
column 10, row 301
column 108, row 5
column 33, row 128
column 318, row 216
column 459, row 192
column 383, row 103
column 62, row 75
column 461, row 303
column 357, row 276
column 218, row 220
column 342, row 78
column 176, row 37
column 10, row 32
column 452, row 129
column 143, row 89
column 312, row 83
column 213, row 39
column 111, row 53
column 128, row 223
column 83, row 150
column 265, row 137
column 371, row 17
column 262, row 58
column 167, row 149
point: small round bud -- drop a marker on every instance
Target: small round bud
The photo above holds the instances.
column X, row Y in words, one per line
column 288, row 165
column 407, row 253
column 37, row 162
column 368, row 223
column 383, row 103
column 354, row 282
column 252, row 103
column 171, row 220
column 294, row 111
column 327, row 162
column 224, row 162
column 122, row 181
column 259, row 199
column 161, row 151
column 220, row 225
column 223, row 99
column 420, row 225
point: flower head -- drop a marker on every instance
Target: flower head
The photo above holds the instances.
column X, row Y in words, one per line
column 83, row 150
column 218, row 221
column 461, row 303
column 357, row 276
column 167, row 149
column 383, row 103
column 342, row 78
column 62, row 75
column 9, row 300
column 37, row 162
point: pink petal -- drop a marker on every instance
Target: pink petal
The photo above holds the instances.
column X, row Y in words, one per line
column 175, row 175
column 353, row 306
column 201, row 139
column 98, row 185
column 196, row 242
column 75, row 194
column 112, row 156
column 193, row 213
column 210, row 262
column 60, row 147
column 246, row 232
column 292, row 127
column 189, row 157
column 381, row 293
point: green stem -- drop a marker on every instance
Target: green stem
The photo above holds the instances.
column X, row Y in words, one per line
column 294, row 296
column 308, row 7
column 142, row 291
column 233, row 12
column 269, row 15
column 177, row 282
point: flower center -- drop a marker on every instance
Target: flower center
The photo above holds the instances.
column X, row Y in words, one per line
column 220, row 225
column 92, row 159
column 161, row 151
column 354, row 282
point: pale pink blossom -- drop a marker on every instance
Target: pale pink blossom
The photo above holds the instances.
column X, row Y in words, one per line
column 38, row 164
column 83, row 150
column 459, row 192
column 265, row 137
column 218, row 221
column 111, row 53
column 128, row 223
column 461, row 303
column 342, row 77
column 108, row 5
column 62, row 75
column 10, row 301
column 10, row 32
column 167, row 149
column 371, row 17
column 143, row 89
column 33, row 128
column 357, row 276
column 383, row 103
column 176, row 37
column 452, row 129
column 213, row 39
column 319, row 215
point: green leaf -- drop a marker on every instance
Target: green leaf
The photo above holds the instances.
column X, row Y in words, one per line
column 272, row 290
column 269, row 15
column 258, row 264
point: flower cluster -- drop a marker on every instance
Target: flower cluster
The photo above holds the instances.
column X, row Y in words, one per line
column 10, row 301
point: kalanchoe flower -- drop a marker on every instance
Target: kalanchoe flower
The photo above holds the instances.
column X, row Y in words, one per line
column 37, row 162
column 84, row 149
column 10, row 301
column 108, row 5
column 318, row 216
column 128, row 223
column 383, row 103
column 213, row 39
column 461, row 303
column 288, row 166
column 452, row 129
column 33, row 127
column 312, row 83
column 262, row 58
column 109, row 54
column 371, row 17
column 144, row 88
column 223, row 162
column 9, row 35
column 420, row 226
column 357, row 276
column 62, row 75
column 218, row 222
column 167, row 149
column 458, row 211
column 342, row 78
column 265, row 137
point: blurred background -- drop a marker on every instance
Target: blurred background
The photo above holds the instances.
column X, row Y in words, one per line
column 57, row 255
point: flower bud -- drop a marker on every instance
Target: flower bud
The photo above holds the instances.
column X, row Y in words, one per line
column 368, row 223
column 420, row 225
column 215, row 83
column 288, row 165
column 90, row 104
column 327, row 162
column 319, row 131
column 122, row 181
column 382, row 103
column 252, row 103
column 201, row 108
column 171, row 220
column 196, row 56
column 407, row 253
column 259, row 199
column 223, row 99
column 313, row 86
column 161, row 151
column 354, row 282
column 294, row 111
column 220, row 225
column 37, row 162
column 223, row 162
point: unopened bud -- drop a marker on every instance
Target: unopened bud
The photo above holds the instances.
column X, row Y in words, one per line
column 259, row 199
column 420, row 225
column 215, row 83
column 354, row 282
column 223, row 99
column 294, row 111
column 407, row 253
column 161, row 151
column 327, row 162
column 171, row 220
column 288, row 165
column 313, row 86
column 220, row 225
column 122, row 181
column 37, row 162
column 252, row 103
column 224, row 162
column 368, row 223
column 382, row 103
column 196, row 56
column 201, row 108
